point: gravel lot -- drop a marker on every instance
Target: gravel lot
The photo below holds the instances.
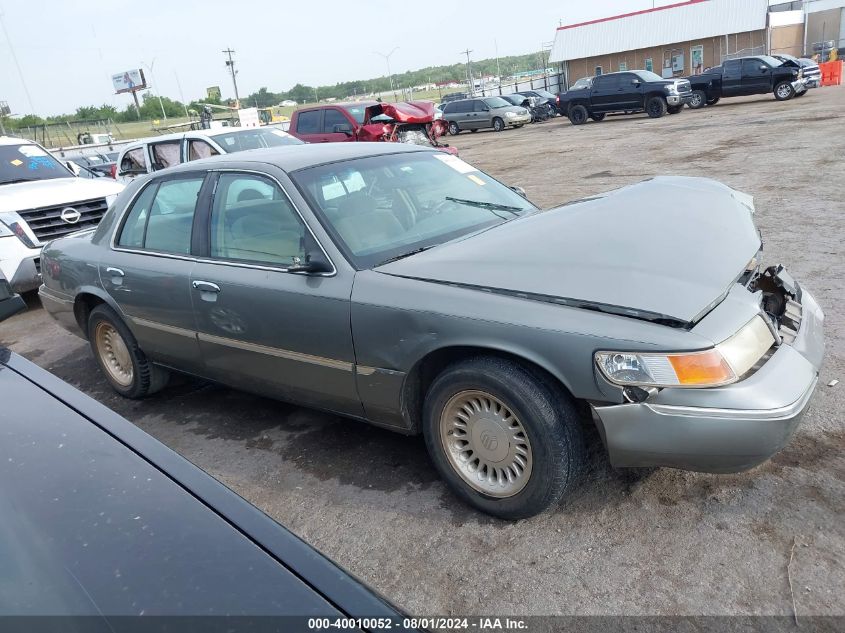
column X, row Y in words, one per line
column 644, row 542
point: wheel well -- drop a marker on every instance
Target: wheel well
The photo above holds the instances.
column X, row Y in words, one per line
column 655, row 94
column 82, row 308
column 421, row 376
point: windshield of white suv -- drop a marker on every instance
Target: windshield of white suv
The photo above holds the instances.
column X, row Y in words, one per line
column 383, row 207
column 23, row 163
column 253, row 138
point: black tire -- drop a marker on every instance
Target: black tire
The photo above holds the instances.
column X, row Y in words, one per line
column 784, row 91
column 454, row 130
column 656, row 107
column 698, row 99
column 548, row 416
column 474, row 130
column 578, row 115
column 147, row 378
column 598, row 117
column 498, row 124
column 674, row 109
column 713, row 101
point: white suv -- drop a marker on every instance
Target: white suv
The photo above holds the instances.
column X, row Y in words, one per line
column 40, row 200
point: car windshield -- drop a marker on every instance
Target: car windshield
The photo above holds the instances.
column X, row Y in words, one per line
column 771, row 61
column 496, row 102
column 25, row 162
column 382, row 207
column 647, row 75
column 357, row 112
column 253, row 138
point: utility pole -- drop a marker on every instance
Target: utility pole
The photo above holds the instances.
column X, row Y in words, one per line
column 230, row 64
column 469, row 72
column 498, row 70
column 390, row 74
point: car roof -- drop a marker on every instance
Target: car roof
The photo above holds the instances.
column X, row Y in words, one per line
column 294, row 157
column 13, row 140
column 341, row 104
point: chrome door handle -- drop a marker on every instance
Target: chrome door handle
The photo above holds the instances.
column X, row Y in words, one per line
column 114, row 271
column 205, row 286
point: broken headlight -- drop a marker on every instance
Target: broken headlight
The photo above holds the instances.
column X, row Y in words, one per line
column 721, row 365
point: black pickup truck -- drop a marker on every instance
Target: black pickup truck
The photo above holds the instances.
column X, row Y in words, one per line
column 628, row 92
column 746, row 76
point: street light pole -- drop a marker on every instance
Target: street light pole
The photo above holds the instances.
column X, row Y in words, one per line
column 389, row 74
column 158, row 94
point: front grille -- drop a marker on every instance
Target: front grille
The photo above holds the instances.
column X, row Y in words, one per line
column 790, row 322
column 47, row 222
column 684, row 86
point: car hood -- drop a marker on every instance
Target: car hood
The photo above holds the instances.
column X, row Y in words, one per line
column 55, row 191
column 404, row 112
column 666, row 249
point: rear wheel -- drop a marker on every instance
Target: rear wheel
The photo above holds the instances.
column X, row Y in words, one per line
column 498, row 124
column 454, row 130
column 656, row 107
column 698, row 99
column 598, row 116
column 784, row 91
column 505, row 439
column 578, row 115
column 674, row 109
column 125, row 366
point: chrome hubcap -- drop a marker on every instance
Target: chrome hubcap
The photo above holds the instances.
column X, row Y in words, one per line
column 114, row 355
column 486, row 443
column 783, row 91
column 696, row 100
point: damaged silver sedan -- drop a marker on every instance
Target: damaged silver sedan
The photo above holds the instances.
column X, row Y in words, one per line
column 401, row 286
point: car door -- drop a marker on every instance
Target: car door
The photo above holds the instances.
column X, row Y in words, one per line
column 309, row 125
column 604, row 94
column 261, row 326
column 463, row 114
column 756, row 76
column 337, row 126
column 133, row 163
column 629, row 92
column 481, row 115
column 148, row 269
column 732, row 78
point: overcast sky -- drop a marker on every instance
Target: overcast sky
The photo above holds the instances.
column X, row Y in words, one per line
column 68, row 49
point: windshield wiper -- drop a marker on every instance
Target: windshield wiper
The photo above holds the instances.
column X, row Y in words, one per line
column 404, row 255
column 486, row 205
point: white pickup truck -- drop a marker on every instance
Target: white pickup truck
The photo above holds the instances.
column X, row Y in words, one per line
column 40, row 200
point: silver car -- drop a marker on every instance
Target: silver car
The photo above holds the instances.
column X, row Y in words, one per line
column 484, row 112
column 403, row 287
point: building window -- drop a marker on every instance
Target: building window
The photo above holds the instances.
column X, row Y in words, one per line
column 623, row 66
column 649, row 64
column 599, row 71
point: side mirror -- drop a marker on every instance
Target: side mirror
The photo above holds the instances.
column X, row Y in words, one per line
column 763, row 68
column 520, row 191
column 635, row 82
column 315, row 261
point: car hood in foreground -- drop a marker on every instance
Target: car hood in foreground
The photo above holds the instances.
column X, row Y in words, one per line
column 665, row 249
column 55, row 191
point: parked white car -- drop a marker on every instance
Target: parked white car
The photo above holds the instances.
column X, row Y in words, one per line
column 40, row 200
column 159, row 152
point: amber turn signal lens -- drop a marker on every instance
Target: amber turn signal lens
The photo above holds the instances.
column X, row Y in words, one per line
column 703, row 368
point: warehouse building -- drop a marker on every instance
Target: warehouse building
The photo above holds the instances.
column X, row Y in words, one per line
column 675, row 40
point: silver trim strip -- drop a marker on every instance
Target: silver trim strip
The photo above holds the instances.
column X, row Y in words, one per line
column 363, row 370
column 170, row 329
column 274, row 351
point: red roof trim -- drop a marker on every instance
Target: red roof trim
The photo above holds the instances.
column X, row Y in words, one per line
column 628, row 15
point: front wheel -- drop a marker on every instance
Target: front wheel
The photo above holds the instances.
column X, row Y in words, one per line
column 598, row 116
column 505, row 439
column 125, row 366
column 656, row 107
column 454, row 130
column 578, row 115
column 698, row 99
column 784, row 91
column 498, row 124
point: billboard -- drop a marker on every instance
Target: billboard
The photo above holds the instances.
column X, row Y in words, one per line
column 213, row 92
column 129, row 81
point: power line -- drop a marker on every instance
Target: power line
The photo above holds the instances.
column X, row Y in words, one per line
column 17, row 64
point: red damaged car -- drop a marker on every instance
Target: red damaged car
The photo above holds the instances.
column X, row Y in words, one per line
column 406, row 122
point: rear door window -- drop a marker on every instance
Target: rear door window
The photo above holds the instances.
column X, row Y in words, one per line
column 308, row 122
column 167, row 154
column 200, row 149
column 162, row 217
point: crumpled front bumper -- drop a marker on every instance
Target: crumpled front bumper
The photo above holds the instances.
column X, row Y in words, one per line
column 728, row 429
